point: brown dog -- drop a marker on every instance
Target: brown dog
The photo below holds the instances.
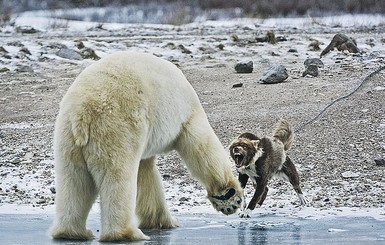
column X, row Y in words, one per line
column 261, row 160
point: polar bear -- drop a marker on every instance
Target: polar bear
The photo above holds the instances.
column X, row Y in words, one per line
column 119, row 113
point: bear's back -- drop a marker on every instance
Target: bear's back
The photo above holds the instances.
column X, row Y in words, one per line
column 135, row 80
column 134, row 70
column 137, row 88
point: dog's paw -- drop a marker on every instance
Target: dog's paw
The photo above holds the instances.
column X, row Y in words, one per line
column 228, row 202
column 302, row 200
column 246, row 213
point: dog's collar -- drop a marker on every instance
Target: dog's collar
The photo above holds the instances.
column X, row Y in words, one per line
column 247, row 168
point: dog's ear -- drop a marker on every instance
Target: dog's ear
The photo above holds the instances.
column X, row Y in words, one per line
column 255, row 142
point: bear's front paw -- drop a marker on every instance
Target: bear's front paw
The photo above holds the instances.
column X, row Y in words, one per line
column 228, row 202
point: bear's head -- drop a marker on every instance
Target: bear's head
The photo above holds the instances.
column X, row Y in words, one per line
column 228, row 201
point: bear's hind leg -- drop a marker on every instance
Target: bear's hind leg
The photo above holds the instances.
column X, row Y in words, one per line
column 75, row 194
column 151, row 205
column 117, row 184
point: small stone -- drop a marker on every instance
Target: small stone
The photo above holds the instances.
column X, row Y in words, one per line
column 311, row 70
column 28, row 155
column 23, row 68
column 274, row 74
column 244, row 67
column 314, row 61
column 3, row 50
column 234, row 37
column 272, row 53
column 380, row 162
column 3, row 69
column 221, row 46
column 184, row 49
column 336, row 230
column 88, row 53
column 170, row 46
column 26, row 30
column 314, row 45
column 41, row 201
column 25, row 50
column 350, row 174
column 379, row 88
column 166, row 176
column 70, row 54
column 80, row 45
column 184, row 199
column 15, row 160
column 53, row 190
column 237, row 85
column 269, row 37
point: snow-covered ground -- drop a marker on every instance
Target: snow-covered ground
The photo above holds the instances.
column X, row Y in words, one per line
column 181, row 197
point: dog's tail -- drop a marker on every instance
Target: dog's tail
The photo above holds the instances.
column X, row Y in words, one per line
column 284, row 133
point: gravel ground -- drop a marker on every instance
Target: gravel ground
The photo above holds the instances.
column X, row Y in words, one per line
column 334, row 154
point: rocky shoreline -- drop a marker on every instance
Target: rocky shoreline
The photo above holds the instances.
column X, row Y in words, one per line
column 334, row 155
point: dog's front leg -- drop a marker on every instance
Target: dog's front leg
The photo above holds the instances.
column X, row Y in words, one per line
column 259, row 196
column 263, row 197
column 243, row 178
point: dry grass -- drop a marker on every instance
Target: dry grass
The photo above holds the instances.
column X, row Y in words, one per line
column 265, row 8
column 181, row 13
column 260, row 8
column 5, row 16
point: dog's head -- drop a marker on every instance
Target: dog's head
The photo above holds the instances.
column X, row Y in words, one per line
column 244, row 149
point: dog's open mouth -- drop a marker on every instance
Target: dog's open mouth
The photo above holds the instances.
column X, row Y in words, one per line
column 238, row 158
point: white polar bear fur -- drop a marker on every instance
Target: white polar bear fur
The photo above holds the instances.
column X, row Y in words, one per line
column 115, row 118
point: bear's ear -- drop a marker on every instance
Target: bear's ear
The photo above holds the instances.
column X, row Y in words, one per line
column 255, row 142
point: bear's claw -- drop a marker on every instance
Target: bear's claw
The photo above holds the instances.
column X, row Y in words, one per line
column 228, row 202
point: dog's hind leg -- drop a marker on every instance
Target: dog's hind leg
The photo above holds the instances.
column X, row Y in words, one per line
column 291, row 173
